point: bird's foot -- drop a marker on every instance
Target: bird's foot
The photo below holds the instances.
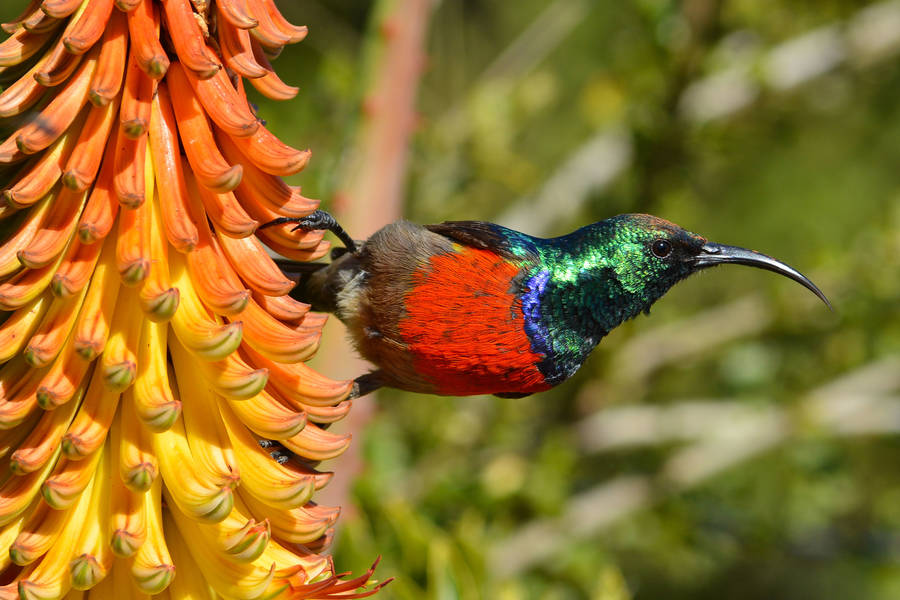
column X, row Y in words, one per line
column 282, row 455
column 278, row 452
column 317, row 220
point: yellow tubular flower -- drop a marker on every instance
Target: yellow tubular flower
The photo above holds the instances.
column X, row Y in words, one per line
column 147, row 341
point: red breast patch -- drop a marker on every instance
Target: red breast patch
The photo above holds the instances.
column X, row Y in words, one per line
column 464, row 328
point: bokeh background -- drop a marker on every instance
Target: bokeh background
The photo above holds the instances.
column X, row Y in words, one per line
column 742, row 441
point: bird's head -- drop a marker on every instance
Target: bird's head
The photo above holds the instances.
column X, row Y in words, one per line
column 650, row 255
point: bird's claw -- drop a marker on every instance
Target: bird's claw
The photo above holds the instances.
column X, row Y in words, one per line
column 316, row 220
column 304, row 226
column 279, row 453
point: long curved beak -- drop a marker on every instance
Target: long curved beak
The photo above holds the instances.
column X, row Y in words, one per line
column 713, row 254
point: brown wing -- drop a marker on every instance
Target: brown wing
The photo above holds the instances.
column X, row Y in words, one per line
column 477, row 234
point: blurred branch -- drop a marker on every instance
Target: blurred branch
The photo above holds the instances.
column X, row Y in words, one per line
column 541, row 37
column 852, row 405
column 643, row 354
column 373, row 179
column 549, row 29
column 593, row 166
column 372, row 192
column 871, row 36
column 624, row 427
column 537, row 40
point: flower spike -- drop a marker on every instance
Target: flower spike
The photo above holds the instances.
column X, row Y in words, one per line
column 150, row 344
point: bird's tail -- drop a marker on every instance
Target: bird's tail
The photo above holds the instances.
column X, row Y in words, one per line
column 319, row 284
column 299, row 273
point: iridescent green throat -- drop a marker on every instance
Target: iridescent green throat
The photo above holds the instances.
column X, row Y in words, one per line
column 580, row 286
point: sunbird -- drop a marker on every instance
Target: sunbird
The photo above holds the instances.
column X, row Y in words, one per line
column 470, row 307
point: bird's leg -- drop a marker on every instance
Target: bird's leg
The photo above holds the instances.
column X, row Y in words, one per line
column 365, row 384
column 362, row 385
column 318, row 220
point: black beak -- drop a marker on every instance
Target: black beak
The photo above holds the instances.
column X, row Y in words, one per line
column 713, row 254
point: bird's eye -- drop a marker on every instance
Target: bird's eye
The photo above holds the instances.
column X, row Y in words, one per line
column 661, row 248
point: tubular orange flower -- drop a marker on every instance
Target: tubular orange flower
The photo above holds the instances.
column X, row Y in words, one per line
column 40, row 179
column 149, row 341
